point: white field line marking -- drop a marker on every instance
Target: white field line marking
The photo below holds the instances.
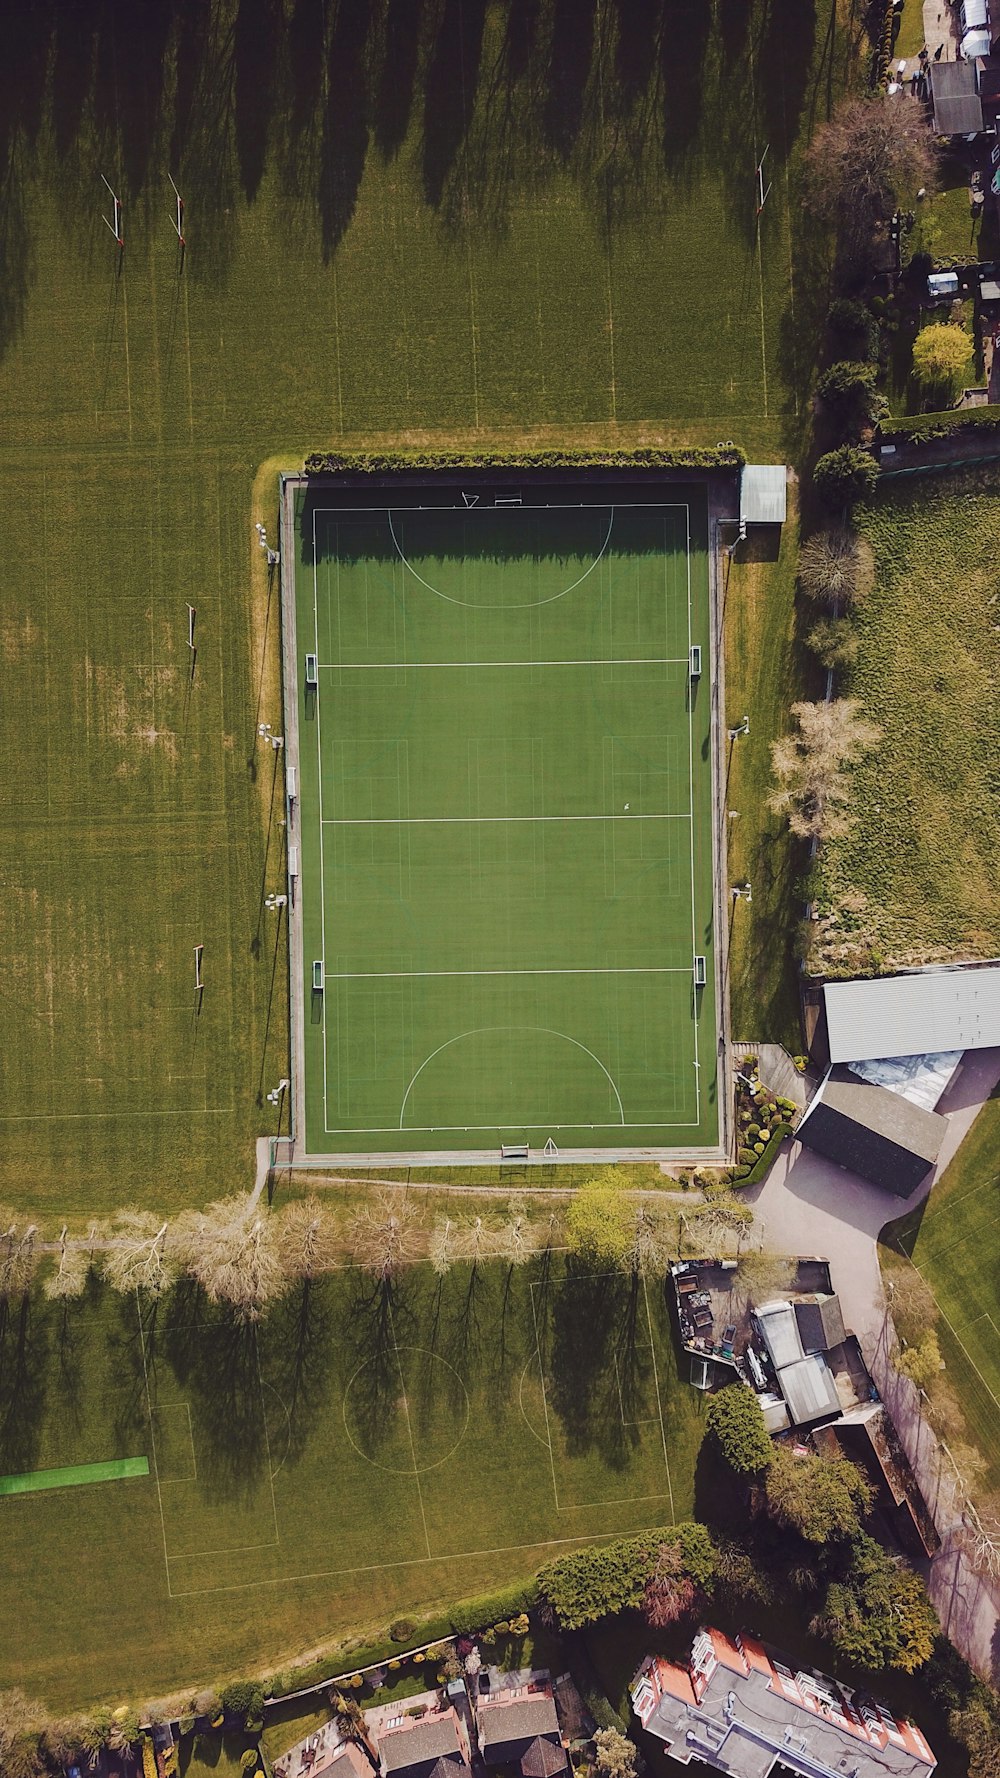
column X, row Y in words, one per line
column 520, row 1399
column 484, row 820
column 409, row 1431
column 517, row 512
column 954, row 1331
column 508, row 1549
column 680, row 1123
column 659, row 1403
column 694, row 937
column 319, row 808
column 152, row 1441
column 267, row 1439
column 406, row 975
column 491, row 1030
column 472, row 604
column 545, row 1401
column 639, row 660
column 57, row 1117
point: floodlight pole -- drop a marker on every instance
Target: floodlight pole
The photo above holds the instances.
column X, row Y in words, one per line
column 743, row 728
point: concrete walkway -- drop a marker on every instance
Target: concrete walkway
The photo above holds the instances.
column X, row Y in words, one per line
column 808, row 1206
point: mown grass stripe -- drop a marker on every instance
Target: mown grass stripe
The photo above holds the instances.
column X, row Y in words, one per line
column 75, row 1475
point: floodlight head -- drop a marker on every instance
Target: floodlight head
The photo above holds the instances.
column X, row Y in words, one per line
column 263, row 728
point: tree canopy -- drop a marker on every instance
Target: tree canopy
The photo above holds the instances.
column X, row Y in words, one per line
column 599, row 1223
column 812, row 783
column 941, row 352
column 736, row 1422
column 598, row 1582
column 819, row 1498
column 837, row 567
column 879, row 1614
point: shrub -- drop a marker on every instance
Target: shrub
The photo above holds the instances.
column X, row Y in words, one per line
column 847, row 391
column 473, row 1615
column 753, row 1131
column 845, row 475
column 244, row 1697
column 759, row 1147
column 403, row 1630
column 185, row 1726
column 248, row 1759
column 589, row 1584
column 735, row 1420
column 148, row 1759
column 941, row 352
column 852, row 324
column 745, row 1156
column 645, row 457
column 394, row 1666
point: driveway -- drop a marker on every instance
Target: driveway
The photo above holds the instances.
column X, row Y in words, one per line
column 808, row 1206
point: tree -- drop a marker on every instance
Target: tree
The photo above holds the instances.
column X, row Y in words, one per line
column 616, row 1754
column 847, row 391
column 911, row 1302
column 385, row 1234
column 440, row 1249
column 820, row 1498
column 136, row 1258
column 736, row 1422
column 652, row 1241
column 670, row 1591
column 813, row 789
column 722, row 1216
column 845, row 475
column 977, row 1727
column 836, row 567
column 921, row 1362
column 588, row 1584
column 519, row 1238
column 879, row 1614
column 68, row 1280
column 231, row 1249
column 307, row 1239
column 941, row 353
column 762, row 1274
column 599, row 1223
column 869, row 155
column 19, row 1735
column 19, row 1254
column 740, row 1577
column 834, row 642
column 476, row 1241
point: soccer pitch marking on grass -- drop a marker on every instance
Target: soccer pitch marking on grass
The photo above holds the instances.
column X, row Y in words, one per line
column 953, row 1330
column 489, row 1030
column 517, row 514
column 415, row 1468
column 628, row 1500
column 472, row 604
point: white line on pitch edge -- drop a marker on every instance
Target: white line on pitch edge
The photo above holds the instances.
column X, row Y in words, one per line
column 639, row 660
column 476, row 820
column 405, row 975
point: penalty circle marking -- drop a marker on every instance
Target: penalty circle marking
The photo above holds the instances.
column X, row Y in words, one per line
column 525, row 605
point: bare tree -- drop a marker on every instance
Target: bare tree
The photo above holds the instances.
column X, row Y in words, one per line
column 653, row 1242
column 982, row 1535
column 519, row 1238
column 762, row 1274
column 670, row 1591
column 477, row 1241
column 837, row 568
column 869, row 156
column 231, row 1249
column 911, row 1302
column 19, row 1254
column 20, row 1722
column 722, row 1218
column 813, row 787
column 136, row 1258
column 72, row 1269
column 440, row 1246
column 385, row 1234
column 307, row 1238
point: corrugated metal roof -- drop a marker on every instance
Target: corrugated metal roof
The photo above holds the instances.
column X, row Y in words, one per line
column 809, row 1389
column 780, row 1331
column 763, row 495
column 902, row 1015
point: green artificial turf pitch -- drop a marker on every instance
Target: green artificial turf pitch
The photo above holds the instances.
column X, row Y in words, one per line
column 366, row 1450
column 75, row 1475
column 506, row 817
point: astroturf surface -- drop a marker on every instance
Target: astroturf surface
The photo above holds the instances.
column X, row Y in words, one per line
column 506, row 814
column 363, row 1451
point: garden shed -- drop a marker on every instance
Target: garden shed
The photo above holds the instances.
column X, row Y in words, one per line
column 763, row 494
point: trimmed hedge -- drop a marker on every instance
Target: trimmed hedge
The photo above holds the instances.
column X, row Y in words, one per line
column 492, row 1608
column 644, row 457
column 744, row 1175
column 922, row 428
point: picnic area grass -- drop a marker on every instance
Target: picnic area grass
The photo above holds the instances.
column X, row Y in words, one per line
column 365, row 1452
column 915, row 879
column 953, row 1239
column 538, row 227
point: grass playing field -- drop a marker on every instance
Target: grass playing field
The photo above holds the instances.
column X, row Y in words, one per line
column 506, row 801
column 954, row 1241
column 363, row 1452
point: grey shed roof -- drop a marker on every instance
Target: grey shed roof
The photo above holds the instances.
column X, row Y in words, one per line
column 958, row 109
column 763, row 494
column 422, row 1747
column 872, row 1132
column 809, row 1389
column 820, row 1322
column 916, row 1014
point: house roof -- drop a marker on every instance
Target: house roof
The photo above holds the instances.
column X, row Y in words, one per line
column 906, row 1015
column 820, row 1322
column 429, row 1747
column 512, row 1726
column 958, row 109
column 872, row 1132
column 542, row 1758
column 763, row 495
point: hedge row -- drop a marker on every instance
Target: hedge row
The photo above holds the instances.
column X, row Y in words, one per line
column 644, row 457
column 921, row 428
column 469, row 1615
column 764, row 1162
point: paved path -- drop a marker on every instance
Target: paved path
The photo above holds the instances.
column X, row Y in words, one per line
column 809, row 1206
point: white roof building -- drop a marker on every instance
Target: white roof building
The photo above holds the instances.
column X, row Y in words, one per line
column 763, row 494
column 925, row 1012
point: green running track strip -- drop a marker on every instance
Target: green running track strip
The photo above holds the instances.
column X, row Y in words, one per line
column 75, row 1476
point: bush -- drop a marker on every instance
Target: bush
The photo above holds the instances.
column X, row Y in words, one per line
column 735, row 1420
column 403, row 1630
column 847, row 390
column 845, row 475
column 491, row 1608
column 922, row 428
column 745, row 1156
column 185, row 1726
column 603, row 1711
column 852, row 324
column 248, row 1759
column 589, row 1584
column 941, row 353
column 384, row 463
column 244, row 1697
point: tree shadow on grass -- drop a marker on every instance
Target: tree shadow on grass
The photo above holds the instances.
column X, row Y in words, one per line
column 590, row 1330
column 397, row 78
column 258, row 33
column 449, row 91
column 24, row 1351
column 345, row 123
column 216, row 1358
column 298, row 1344
column 685, row 37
